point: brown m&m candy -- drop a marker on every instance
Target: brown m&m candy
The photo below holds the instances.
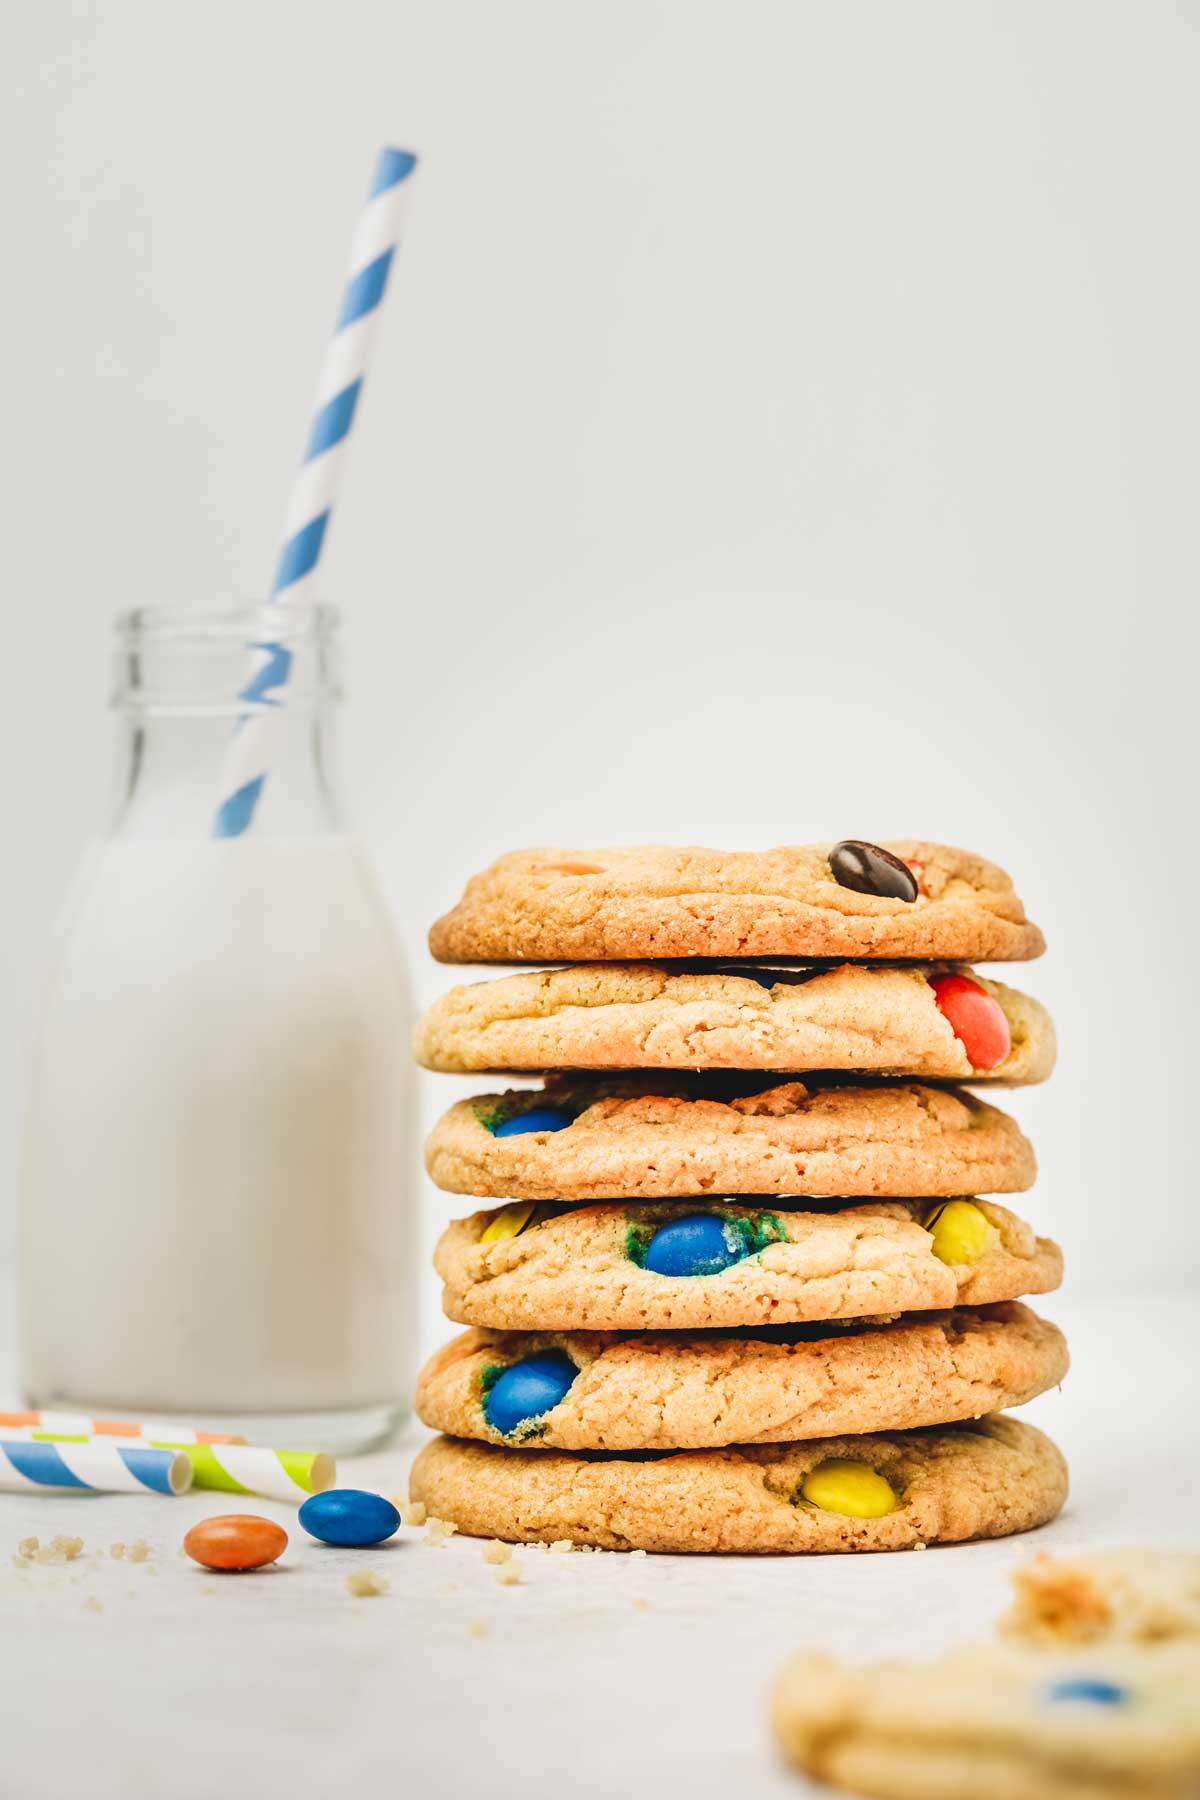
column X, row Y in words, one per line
column 869, row 869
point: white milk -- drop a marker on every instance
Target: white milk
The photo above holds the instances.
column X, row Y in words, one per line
column 219, row 1203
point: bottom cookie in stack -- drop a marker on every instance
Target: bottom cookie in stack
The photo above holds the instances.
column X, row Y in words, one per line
column 820, row 1434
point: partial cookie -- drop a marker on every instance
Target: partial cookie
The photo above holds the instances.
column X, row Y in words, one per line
column 1103, row 1596
column 661, row 1391
column 999, row 1723
column 671, row 1137
column 657, row 1267
column 947, row 1024
column 886, row 1492
column 905, row 900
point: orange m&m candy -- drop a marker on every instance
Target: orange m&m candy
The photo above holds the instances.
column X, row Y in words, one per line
column 235, row 1541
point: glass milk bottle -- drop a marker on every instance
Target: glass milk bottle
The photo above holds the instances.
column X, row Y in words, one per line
column 219, row 1204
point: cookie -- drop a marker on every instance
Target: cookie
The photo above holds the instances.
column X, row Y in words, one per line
column 672, row 1137
column 905, row 900
column 881, row 1492
column 587, row 1391
column 659, row 1267
column 921, row 1021
column 1107, row 1596
column 998, row 1723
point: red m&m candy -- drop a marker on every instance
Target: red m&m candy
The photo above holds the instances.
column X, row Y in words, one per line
column 977, row 1021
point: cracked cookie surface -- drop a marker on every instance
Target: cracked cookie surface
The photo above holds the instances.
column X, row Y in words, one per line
column 585, row 1267
column 661, row 1391
column 987, row 1479
column 652, row 901
column 671, row 1137
column 870, row 1020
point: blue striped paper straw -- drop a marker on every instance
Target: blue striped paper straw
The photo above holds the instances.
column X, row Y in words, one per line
column 26, row 1467
column 316, row 486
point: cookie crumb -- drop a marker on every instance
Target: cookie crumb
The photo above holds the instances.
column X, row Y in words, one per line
column 139, row 1551
column 637, row 1553
column 48, row 1554
column 365, row 1582
column 478, row 1628
column 20, row 1562
column 560, row 1547
column 496, row 1552
column 412, row 1512
column 641, row 1605
column 28, row 1548
column 919, row 1545
column 91, row 1604
column 438, row 1530
column 508, row 1574
column 116, row 1551
column 69, row 1546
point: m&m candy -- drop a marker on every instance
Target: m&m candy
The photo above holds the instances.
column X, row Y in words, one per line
column 538, row 1118
column 235, row 1541
column 528, row 1389
column 701, row 1244
column 1088, row 1690
column 870, row 869
column 976, row 1019
column 349, row 1517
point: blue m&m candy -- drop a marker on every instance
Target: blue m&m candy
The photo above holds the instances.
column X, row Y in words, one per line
column 349, row 1516
column 527, row 1390
column 701, row 1244
column 1090, row 1690
column 538, row 1118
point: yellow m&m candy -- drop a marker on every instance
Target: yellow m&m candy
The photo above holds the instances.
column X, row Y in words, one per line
column 509, row 1222
column 960, row 1232
column 854, row 1489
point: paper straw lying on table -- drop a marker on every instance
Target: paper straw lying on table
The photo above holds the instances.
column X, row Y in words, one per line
column 29, row 1465
column 249, row 1469
column 229, row 1468
column 150, row 1431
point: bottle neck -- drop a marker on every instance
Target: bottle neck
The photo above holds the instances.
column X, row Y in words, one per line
column 193, row 704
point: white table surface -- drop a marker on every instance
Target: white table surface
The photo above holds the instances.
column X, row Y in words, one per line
column 189, row 1686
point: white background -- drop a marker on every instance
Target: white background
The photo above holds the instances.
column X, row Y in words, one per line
column 784, row 427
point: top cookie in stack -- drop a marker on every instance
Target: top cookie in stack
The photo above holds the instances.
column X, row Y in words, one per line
column 699, row 986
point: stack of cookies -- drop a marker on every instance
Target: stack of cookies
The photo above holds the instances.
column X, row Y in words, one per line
column 735, row 1289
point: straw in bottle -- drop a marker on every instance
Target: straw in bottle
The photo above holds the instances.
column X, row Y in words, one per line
column 316, row 486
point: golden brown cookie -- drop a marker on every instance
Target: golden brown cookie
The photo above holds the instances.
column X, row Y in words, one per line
column 865, row 1020
column 986, row 1479
column 662, row 1391
column 661, row 1267
column 671, row 1137
column 654, row 901
column 1000, row 1723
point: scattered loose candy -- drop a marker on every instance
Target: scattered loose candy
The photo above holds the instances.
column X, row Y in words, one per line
column 853, row 1489
column 1090, row 1690
column 960, row 1232
column 348, row 1516
column 235, row 1541
column 701, row 1244
column 538, row 1118
column 976, row 1019
column 509, row 1222
column 527, row 1390
column 869, row 869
